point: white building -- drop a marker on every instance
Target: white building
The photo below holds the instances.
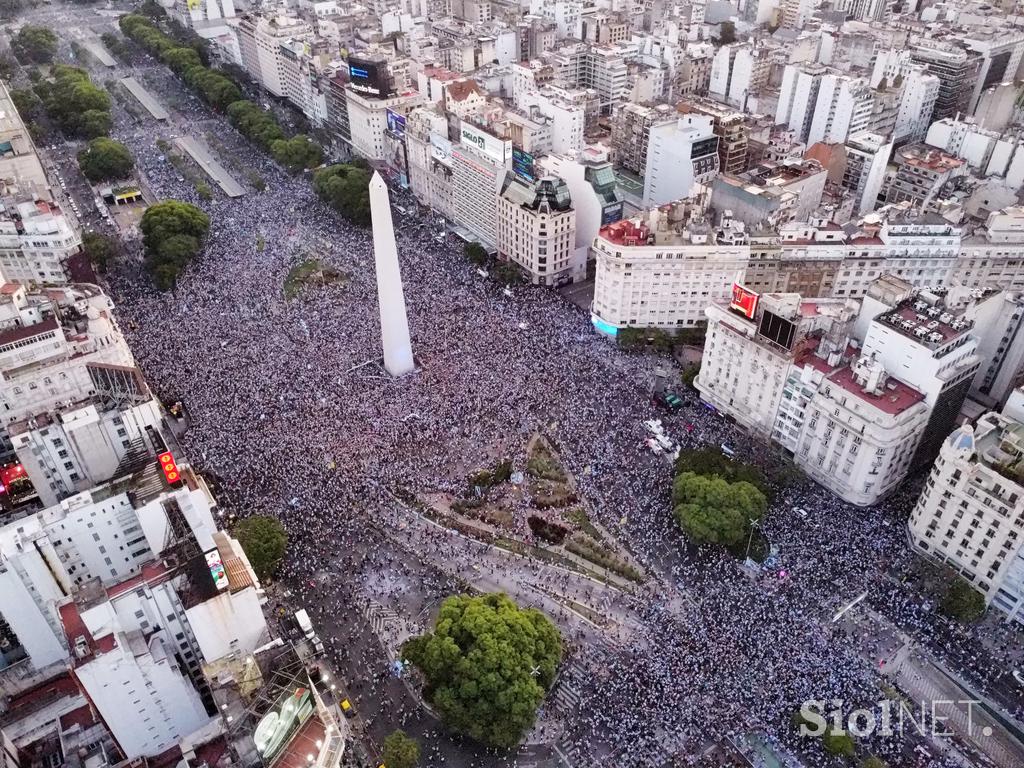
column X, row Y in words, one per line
column 998, row 320
column 971, row 512
column 259, row 41
column 36, row 239
column 662, row 270
column 479, row 162
column 798, row 98
column 784, row 369
column 537, row 230
column 680, row 154
column 368, row 120
column 843, row 106
column 52, row 346
column 430, row 160
column 567, row 119
column 867, row 155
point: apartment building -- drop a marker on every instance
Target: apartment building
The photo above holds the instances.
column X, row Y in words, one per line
column 631, row 132
column 662, row 270
column 970, row 515
column 731, row 128
column 680, row 154
column 259, row 41
column 479, row 163
column 536, row 229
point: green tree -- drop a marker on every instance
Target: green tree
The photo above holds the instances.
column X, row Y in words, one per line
column 173, row 233
column 476, row 254
column 10, row 8
column 8, row 66
column 711, row 461
column 264, row 541
column 839, row 744
column 962, row 602
column 400, row 751
column 346, row 188
column 873, row 762
column 105, row 160
column 27, row 103
column 34, row 45
column 507, row 272
column 712, row 510
column 78, row 106
column 487, row 665
column 253, row 123
column 297, row 153
column 690, row 374
column 100, row 249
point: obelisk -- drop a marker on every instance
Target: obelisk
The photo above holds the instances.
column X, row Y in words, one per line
column 394, row 325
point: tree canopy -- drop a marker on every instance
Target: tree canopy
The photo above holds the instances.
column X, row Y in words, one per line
column 963, row 602
column 297, row 153
column 105, row 160
column 400, row 751
column 346, row 188
column 476, row 254
column 173, row 233
column 711, row 510
column 256, row 125
column 75, row 104
column 100, row 250
column 264, row 540
column 487, row 665
column 711, row 461
column 34, row 45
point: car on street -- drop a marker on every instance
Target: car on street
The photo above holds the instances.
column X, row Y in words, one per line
column 347, row 709
column 800, row 511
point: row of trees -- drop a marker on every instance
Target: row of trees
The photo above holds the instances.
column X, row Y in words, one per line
column 172, row 233
column 504, row 272
column 223, row 95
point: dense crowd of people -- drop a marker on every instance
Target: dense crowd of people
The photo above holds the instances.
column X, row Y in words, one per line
column 294, row 417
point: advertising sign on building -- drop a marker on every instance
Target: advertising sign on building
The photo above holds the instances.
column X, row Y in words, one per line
column 496, row 149
column 611, row 212
column 522, row 164
column 440, row 148
column 369, row 78
column 744, row 301
column 396, row 123
column 220, row 576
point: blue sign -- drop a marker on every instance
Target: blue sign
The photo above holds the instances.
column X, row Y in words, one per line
column 603, row 327
column 522, row 165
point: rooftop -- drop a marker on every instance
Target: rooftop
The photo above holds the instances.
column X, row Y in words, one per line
column 931, row 325
column 895, row 398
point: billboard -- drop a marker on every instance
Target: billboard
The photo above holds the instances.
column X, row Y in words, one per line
column 497, row 149
column 275, row 729
column 213, row 562
column 171, row 473
column 611, row 212
column 396, row 123
column 744, row 301
column 440, row 148
column 369, row 78
column 522, row 164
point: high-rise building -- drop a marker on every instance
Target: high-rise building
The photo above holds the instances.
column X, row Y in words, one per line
column 730, row 126
column 661, row 269
column 537, row 229
column 631, row 133
column 971, row 512
column 867, row 155
column 958, row 72
column 680, row 154
column 479, row 162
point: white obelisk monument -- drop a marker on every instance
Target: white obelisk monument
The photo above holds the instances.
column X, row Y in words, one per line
column 394, row 325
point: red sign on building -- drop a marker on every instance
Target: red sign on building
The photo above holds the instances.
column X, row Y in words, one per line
column 744, row 301
column 171, row 473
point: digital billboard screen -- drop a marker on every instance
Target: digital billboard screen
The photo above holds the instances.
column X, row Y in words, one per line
column 744, row 301
column 522, row 164
column 396, row 124
column 369, row 78
column 216, row 566
column 611, row 213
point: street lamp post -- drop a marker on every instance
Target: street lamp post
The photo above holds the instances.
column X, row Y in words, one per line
column 750, row 538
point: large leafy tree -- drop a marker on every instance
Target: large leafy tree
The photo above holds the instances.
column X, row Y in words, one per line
column 79, row 107
column 100, row 250
column 255, row 124
column 963, row 602
column 173, row 233
column 346, row 188
column 487, row 665
column 711, row 510
column 105, row 160
column 297, row 153
column 711, row 461
column 34, row 45
column 400, row 751
column 264, row 540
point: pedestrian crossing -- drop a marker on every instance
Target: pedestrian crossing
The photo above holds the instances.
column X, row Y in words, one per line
column 566, row 696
